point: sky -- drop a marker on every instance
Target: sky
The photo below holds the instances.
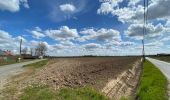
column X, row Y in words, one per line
column 85, row 27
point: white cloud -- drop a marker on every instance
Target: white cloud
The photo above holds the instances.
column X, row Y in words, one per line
column 124, row 14
column 133, row 2
column 13, row 5
column 63, row 33
column 105, row 8
column 127, row 43
column 92, row 46
column 58, row 47
column 67, row 8
column 24, row 3
column 157, row 9
column 37, row 33
column 60, row 12
column 67, row 43
column 130, row 15
column 7, row 42
column 166, row 38
column 167, row 23
column 101, row 35
column 118, row 44
column 154, row 44
column 18, row 38
column 4, row 37
column 136, row 31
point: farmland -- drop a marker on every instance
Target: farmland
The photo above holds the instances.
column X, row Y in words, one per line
column 73, row 72
column 163, row 58
column 92, row 73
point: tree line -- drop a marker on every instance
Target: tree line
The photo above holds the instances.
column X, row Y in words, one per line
column 39, row 50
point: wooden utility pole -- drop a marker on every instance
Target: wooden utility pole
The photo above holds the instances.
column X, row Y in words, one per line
column 20, row 46
column 145, row 4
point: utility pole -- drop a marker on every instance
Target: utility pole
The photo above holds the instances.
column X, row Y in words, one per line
column 20, row 46
column 145, row 4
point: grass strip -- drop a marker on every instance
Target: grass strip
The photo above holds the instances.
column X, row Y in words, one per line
column 153, row 84
column 37, row 64
column 44, row 93
column 8, row 62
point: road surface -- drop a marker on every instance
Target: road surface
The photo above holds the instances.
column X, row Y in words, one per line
column 163, row 66
column 7, row 71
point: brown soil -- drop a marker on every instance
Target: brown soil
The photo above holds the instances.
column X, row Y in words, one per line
column 125, row 84
column 78, row 72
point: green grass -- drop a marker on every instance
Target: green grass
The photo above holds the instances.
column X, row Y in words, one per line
column 44, row 93
column 126, row 98
column 163, row 58
column 7, row 62
column 11, row 61
column 38, row 93
column 153, row 84
column 37, row 64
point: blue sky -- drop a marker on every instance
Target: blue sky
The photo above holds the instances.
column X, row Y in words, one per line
column 83, row 27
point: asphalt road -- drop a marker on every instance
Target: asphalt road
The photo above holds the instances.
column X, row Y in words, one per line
column 163, row 66
column 7, row 71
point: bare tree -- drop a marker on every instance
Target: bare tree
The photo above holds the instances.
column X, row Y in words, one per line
column 31, row 51
column 24, row 51
column 41, row 49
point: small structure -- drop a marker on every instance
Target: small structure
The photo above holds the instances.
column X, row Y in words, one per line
column 27, row 56
column 6, row 55
column 40, row 57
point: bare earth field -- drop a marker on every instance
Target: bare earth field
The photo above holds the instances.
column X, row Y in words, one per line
column 97, row 72
column 75, row 72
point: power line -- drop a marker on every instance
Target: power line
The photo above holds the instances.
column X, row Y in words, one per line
column 144, row 17
column 145, row 4
column 146, row 10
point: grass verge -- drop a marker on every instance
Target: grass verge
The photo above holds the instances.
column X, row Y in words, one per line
column 37, row 64
column 153, row 84
column 44, row 93
column 8, row 62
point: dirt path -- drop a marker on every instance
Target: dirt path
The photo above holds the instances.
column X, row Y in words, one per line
column 165, row 69
column 7, row 71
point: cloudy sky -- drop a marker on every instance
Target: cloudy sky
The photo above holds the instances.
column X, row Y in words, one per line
column 84, row 27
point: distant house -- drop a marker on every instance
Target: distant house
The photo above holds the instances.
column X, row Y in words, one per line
column 8, row 53
column 5, row 55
